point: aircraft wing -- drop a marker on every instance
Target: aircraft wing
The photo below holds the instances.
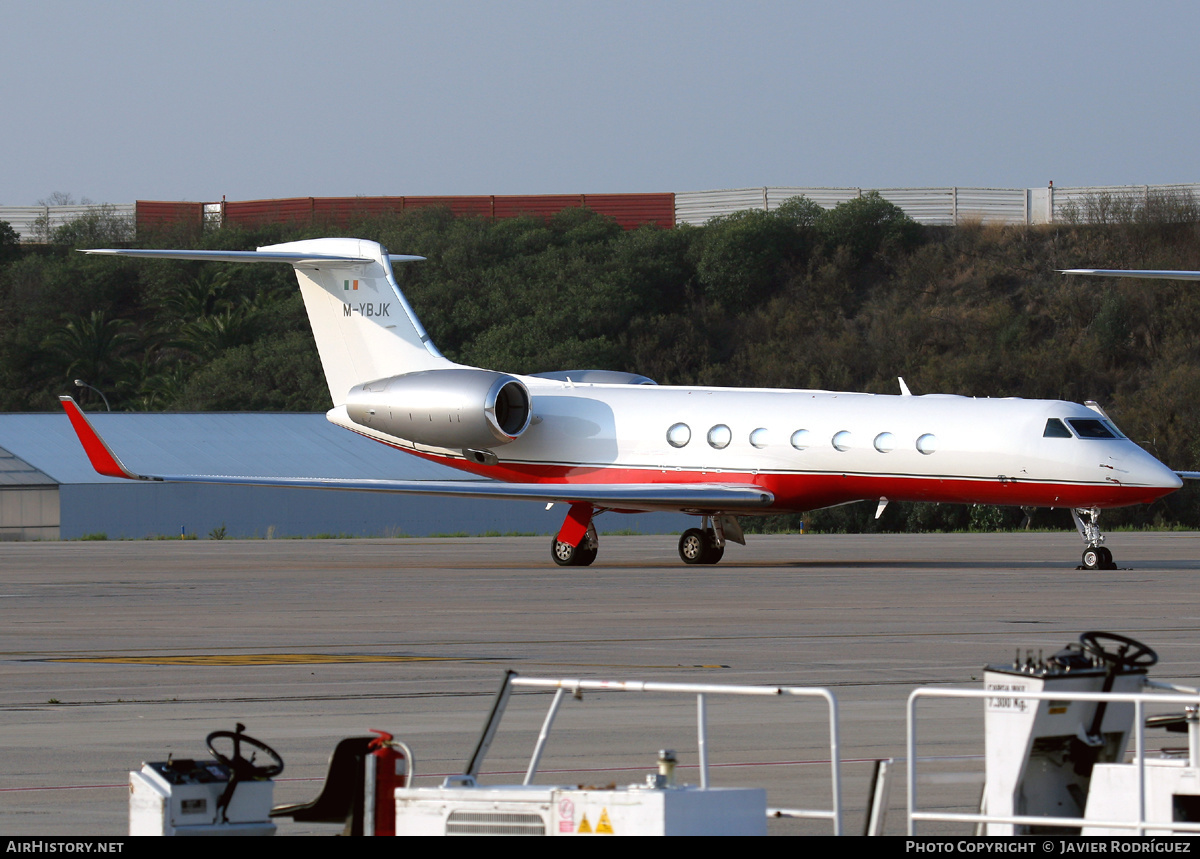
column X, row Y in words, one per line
column 1146, row 273
column 630, row 496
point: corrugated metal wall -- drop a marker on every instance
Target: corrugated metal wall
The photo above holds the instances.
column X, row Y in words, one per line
column 28, row 501
column 25, row 219
column 950, row 205
column 629, row 210
column 157, row 214
column 1063, row 200
column 145, row 509
column 29, row 513
column 926, row 205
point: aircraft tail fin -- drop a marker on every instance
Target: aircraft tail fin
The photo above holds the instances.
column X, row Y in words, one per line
column 364, row 327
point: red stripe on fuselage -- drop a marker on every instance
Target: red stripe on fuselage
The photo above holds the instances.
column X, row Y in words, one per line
column 811, row 491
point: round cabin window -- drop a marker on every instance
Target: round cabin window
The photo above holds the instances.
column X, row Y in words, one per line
column 720, row 436
column 679, row 435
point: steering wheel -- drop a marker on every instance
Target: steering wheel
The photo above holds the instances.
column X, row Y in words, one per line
column 1128, row 653
column 245, row 768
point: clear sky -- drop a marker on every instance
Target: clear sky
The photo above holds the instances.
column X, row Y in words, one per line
column 175, row 100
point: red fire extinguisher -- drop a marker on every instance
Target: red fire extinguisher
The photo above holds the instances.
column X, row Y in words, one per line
column 389, row 766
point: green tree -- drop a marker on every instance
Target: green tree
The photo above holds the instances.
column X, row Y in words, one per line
column 96, row 348
column 744, row 257
column 868, row 226
column 10, row 243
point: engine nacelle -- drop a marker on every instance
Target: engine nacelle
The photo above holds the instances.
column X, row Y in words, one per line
column 456, row 408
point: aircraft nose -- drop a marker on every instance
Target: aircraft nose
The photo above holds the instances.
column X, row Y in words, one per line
column 1145, row 470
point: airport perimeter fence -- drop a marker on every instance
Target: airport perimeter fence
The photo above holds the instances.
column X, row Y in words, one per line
column 938, row 206
column 934, row 206
column 36, row 224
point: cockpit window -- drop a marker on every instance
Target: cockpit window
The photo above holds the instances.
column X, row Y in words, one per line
column 1090, row 428
column 1056, row 429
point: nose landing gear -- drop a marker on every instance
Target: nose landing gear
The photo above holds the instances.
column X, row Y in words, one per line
column 1096, row 556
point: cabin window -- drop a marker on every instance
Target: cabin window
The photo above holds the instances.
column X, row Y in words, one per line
column 841, row 440
column 719, row 436
column 679, row 435
column 885, row 442
column 758, row 438
column 927, row 443
column 1090, row 428
column 1056, row 429
column 800, row 439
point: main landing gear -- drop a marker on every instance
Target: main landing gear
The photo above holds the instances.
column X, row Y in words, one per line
column 706, row 544
column 566, row 555
column 703, row 545
column 700, row 547
column 1096, row 556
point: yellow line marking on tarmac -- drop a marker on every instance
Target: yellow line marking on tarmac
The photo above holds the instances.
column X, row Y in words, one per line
column 256, row 659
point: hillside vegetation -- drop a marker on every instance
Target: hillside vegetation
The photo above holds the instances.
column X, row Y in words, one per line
column 848, row 298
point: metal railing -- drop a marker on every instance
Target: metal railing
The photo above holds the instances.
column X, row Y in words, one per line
column 702, row 692
column 1139, row 700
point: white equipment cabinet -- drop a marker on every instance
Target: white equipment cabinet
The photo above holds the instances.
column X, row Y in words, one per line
column 1171, row 793
column 181, row 798
column 544, row 810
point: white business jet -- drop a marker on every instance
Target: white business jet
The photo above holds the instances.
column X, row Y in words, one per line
column 607, row 441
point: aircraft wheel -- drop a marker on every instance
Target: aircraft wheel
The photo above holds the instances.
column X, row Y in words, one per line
column 566, row 555
column 563, row 553
column 693, row 546
column 715, row 553
column 1106, row 559
column 1091, row 558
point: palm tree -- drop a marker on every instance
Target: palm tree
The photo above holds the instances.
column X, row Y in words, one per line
column 96, row 348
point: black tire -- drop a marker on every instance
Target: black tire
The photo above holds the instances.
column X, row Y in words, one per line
column 1091, row 558
column 566, row 555
column 1106, row 559
column 715, row 552
column 693, row 547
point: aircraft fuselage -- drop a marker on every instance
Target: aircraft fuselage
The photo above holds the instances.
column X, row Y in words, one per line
column 819, row 448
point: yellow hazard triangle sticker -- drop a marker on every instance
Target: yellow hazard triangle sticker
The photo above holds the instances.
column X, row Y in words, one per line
column 584, row 827
column 604, row 826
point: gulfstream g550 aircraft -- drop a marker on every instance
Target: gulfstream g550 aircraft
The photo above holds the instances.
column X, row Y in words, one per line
column 605, row 441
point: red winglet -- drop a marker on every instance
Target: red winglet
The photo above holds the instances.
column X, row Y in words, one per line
column 103, row 460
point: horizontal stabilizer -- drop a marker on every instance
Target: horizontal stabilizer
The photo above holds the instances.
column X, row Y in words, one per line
column 248, row 256
column 1145, row 273
column 364, row 327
